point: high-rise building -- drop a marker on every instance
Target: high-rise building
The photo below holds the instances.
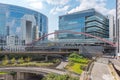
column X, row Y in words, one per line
column 21, row 22
column 111, row 28
column 87, row 21
column 118, row 26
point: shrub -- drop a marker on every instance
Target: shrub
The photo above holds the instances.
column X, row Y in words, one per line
column 75, row 55
column 56, row 60
column 84, row 61
column 13, row 73
column 77, row 58
column 59, row 77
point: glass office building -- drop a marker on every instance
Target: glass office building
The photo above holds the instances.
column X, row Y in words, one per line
column 87, row 21
column 25, row 24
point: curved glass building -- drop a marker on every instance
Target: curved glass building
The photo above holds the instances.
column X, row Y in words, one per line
column 19, row 26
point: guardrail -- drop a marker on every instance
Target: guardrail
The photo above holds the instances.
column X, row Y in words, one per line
column 87, row 73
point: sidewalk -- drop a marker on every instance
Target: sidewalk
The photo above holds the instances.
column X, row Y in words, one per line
column 101, row 70
column 62, row 65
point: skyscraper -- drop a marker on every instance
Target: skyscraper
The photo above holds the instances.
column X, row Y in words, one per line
column 111, row 28
column 118, row 26
column 88, row 21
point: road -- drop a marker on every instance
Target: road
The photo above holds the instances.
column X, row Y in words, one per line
column 101, row 70
column 33, row 70
column 62, row 65
column 37, row 70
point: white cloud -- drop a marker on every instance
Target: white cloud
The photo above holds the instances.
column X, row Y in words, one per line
column 36, row 4
column 59, row 9
column 57, row 2
column 58, row 6
column 112, row 12
column 99, row 5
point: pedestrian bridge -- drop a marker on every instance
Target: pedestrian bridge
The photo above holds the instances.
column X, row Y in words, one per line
column 34, row 52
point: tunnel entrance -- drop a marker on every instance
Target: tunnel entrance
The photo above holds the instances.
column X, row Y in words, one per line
column 70, row 50
column 32, row 76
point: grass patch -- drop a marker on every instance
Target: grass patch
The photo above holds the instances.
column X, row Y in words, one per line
column 77, row 63
column 75, row 67
column 2, row 73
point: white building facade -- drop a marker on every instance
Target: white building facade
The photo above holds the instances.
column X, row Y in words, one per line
column 14, row 44
column 112, row 28
column 118, row 26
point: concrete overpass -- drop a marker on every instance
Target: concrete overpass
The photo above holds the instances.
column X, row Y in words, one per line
column 24, row 73
column 33, row 70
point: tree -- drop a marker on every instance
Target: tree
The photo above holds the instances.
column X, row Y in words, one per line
column 5, row 60
column 13, row 60
column 21, row 60
column 28, row 59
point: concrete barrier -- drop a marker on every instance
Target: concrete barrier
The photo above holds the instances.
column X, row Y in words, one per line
column 114, row 72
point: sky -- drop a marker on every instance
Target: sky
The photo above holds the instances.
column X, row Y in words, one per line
column 54, row 8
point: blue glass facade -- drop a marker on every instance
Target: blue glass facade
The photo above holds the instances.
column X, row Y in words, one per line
column 19, row 21
column 88, row 21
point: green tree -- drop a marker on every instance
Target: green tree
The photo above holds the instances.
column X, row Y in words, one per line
column 59, row 77
column 5, row 60
column 13, row 74
column 21, row 60
column 75, row 55
column 13, row 60
column 28, row 59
